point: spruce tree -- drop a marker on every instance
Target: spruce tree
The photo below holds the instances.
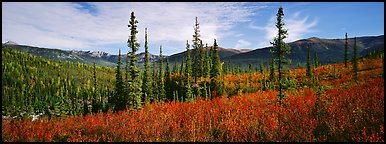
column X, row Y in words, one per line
column 201, row 61
column 216, row 70
column 196, row 48
column 216, row 64
column 188, row 71
column 207, row 63
column 162, row 93
column 147, row 80
column 117, row 99
column 345, row 51
column 168, row 91
column 135, row 81
column 155, row 83
column 354, row 59
column 280, row 48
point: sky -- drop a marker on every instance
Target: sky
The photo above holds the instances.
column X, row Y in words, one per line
column 103, row 26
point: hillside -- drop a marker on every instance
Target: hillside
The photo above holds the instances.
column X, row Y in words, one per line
column 328, row 50
column 223, row 52
column 87, row 57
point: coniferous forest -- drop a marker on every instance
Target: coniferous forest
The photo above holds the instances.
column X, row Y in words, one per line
column 198, row 99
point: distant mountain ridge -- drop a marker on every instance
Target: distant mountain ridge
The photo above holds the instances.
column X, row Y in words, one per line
column 328, row 51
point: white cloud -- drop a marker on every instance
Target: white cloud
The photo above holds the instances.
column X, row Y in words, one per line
column 64, row 25
column 242, row 44
column 295, row 25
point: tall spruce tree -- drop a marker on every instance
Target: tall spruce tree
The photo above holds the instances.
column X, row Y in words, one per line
column 207, row 62
column 188, row 71
column 162, row 93
column 117, row 100
column 167, row 86
column 354, row 59
column 345, row 51
column 147, row 80
column 195, row 52
column 201, row 61
column 135, row 81
column 280, row 48
column 215, row 70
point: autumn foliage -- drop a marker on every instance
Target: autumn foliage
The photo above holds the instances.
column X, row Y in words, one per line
column 346, row 110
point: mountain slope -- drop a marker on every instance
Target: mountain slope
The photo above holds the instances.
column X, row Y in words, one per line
column 328, row 50
column 87, row 57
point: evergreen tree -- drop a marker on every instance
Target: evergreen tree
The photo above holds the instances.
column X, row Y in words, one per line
column 196, row 46
column 315, row 60
column 155, row 83
column 117, row 99
column 308, row 62
column 207, row 63
column 135, row 82
column 201, row 62
column 167, row 86
column 345, row 51
column 188, row 71
column 162, row 93
column 280, row 49
column 147, row 81
column 216, row 64
column 216, row 70
column 354, row 60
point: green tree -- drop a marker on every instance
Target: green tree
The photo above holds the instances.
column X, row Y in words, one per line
column 147, row 80
column 345, row 51
column 280, row 48
column 117, row 100
column 167, row 80
column 162, row 93
column 354, row 60
column 215, row 70
column 207, row 63
column 197, row 44
column 188, row 71
column 135, row 82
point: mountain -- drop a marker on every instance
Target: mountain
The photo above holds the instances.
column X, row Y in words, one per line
column 223, row 52
column 88, row 57
column 328, row 51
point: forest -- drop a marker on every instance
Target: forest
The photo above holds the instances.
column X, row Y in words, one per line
column 199, row 100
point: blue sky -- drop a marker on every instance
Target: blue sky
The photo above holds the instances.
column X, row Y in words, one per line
column 103, row 26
